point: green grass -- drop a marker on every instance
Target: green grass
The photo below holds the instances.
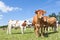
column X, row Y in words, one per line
column 28, row 35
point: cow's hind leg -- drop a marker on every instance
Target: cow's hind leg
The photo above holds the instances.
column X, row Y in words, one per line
column 7, row 30
column 55, row 29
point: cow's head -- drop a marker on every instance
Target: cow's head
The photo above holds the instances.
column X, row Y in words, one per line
column 24, row 23
column 40, row 13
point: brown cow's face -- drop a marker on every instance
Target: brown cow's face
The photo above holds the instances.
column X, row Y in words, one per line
column 40, row 14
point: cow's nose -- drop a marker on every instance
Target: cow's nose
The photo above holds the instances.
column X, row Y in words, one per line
column 40, row 17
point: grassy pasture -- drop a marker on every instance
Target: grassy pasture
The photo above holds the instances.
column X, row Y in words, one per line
column 28, row 35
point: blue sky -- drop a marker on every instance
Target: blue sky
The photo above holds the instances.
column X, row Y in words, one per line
column 24, row 9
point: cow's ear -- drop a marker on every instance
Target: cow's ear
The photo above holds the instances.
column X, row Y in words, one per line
column 44, row 12
column 25, row 21
column 35, row 11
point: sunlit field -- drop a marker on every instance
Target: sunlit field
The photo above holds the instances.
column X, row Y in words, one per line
column 28, row 35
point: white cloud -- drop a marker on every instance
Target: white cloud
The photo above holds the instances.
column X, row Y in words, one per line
column 5, row 8
column 30, row 19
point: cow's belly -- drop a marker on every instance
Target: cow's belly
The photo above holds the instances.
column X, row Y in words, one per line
column 15, row 26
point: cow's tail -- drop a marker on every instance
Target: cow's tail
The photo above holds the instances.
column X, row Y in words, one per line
column 57, row 25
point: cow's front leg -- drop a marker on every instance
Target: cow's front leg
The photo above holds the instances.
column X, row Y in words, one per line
column 22, row 29
column 25, row 28
column 37, row 30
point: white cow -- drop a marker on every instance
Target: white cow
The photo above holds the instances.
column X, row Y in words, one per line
column 16, row 23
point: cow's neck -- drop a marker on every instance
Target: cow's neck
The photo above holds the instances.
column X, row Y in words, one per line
column 38, row 20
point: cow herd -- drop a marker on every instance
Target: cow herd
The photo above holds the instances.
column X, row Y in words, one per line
column 17, row 24
column 40, row 22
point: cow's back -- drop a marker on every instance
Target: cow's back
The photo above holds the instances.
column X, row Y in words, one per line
column 51, row 20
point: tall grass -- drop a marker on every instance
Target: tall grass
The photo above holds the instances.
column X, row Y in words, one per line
column 28, row 35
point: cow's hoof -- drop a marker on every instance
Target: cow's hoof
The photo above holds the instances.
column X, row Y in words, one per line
column 42, row 36
column 37, row 36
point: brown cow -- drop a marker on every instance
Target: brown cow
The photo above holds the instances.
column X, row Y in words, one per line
column 37, row 22
column 49, row 22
